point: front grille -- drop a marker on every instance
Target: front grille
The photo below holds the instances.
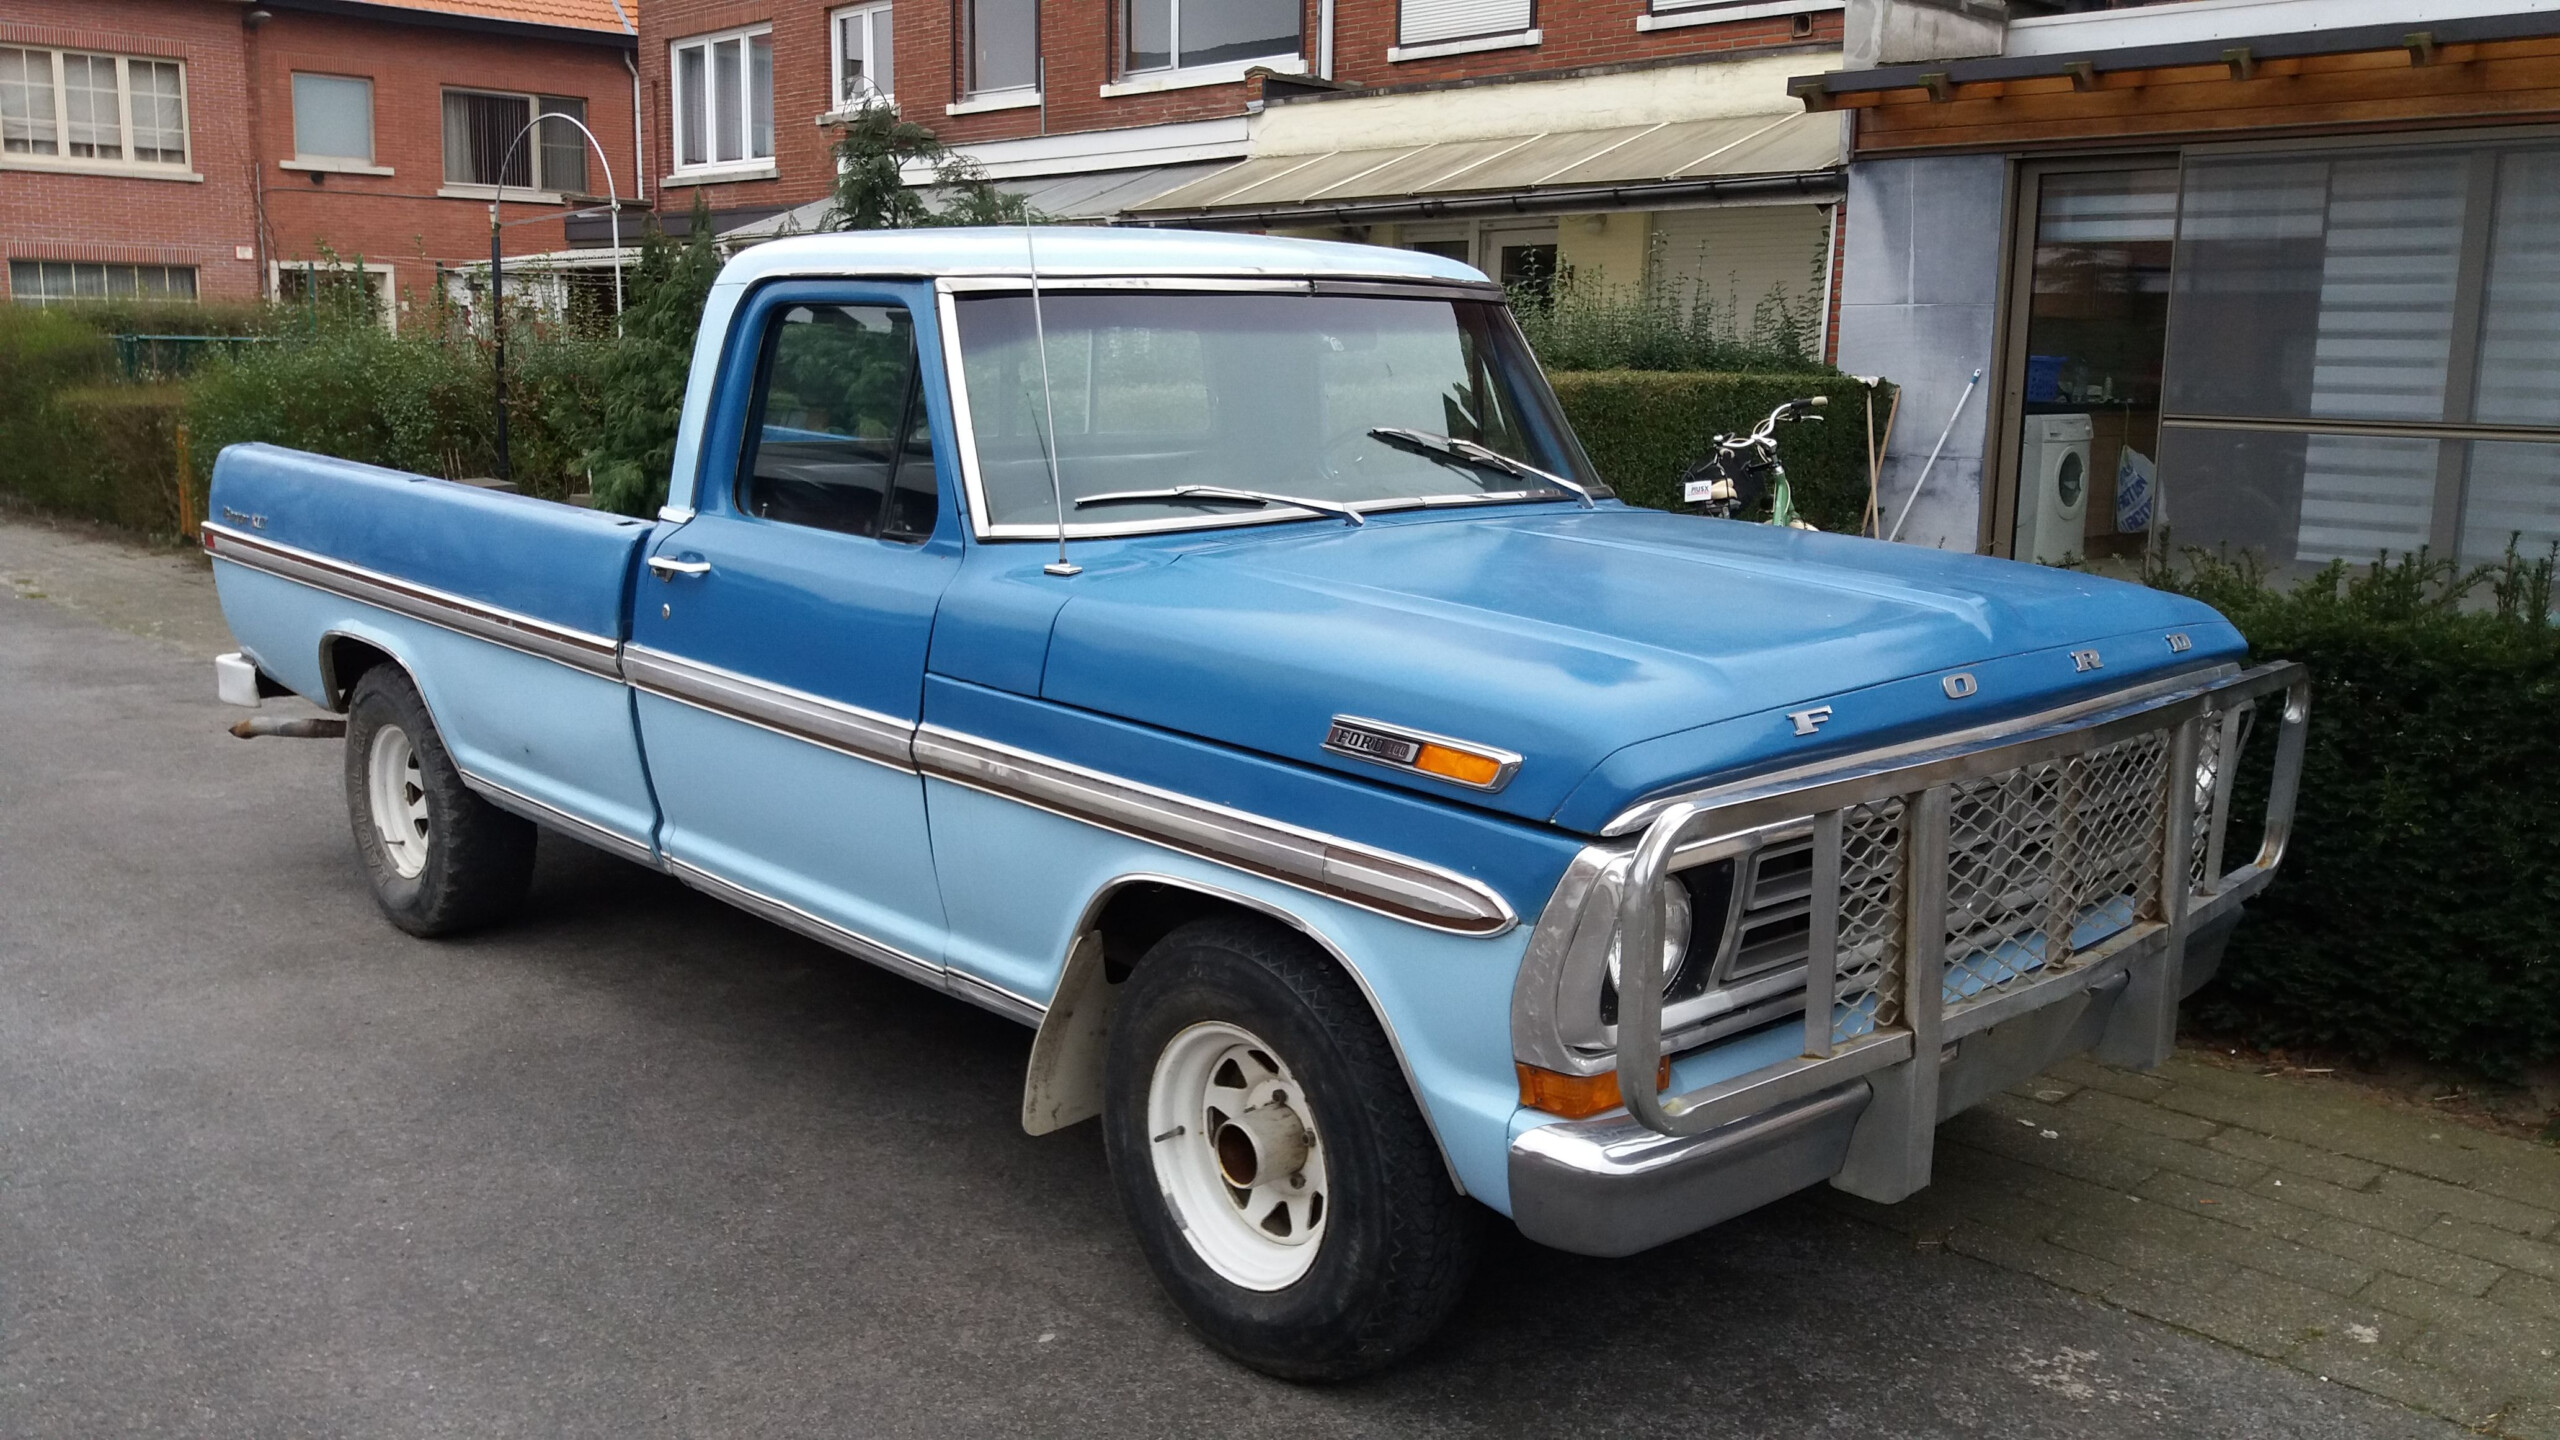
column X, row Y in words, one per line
column 1872, row 895
column 2043, row 861
column 2048, row 859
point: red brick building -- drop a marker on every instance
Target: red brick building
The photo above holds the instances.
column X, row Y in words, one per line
column 1635, row 138
column 170, row 210
column 228, row 150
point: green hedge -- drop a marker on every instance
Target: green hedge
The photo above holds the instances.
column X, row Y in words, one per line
column 2418, row 909
column 1644, row 428
column 415, row 401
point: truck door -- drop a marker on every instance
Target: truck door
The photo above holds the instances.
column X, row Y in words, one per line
column 779, row 634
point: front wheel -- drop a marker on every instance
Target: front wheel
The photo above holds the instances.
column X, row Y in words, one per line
column 440, row 858
column 1286, row 1190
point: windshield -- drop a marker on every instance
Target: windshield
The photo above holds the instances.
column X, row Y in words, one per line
column 1268, row 392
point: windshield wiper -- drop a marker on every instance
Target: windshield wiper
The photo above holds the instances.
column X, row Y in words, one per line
column 1221, row 495
column 1482, row 457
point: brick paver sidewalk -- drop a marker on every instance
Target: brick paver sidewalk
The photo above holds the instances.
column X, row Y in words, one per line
column 2371, row 1246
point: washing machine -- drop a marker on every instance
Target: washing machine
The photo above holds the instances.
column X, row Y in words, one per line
column 2053, row 496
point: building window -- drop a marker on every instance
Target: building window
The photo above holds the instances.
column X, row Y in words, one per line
column 2316, row 356
column 81, row 110
column 341, row 287
column 865, row 61
column 724, row 99
column 332, row 118
column 51, row 282
column 1184, row 34
column 1430, row 22
column 480, row 130
column 1003, row 45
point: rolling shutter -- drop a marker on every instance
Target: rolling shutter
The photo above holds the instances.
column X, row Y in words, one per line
column 1426, row 22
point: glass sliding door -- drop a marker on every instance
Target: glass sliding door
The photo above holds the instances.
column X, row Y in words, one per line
column 2086, row 392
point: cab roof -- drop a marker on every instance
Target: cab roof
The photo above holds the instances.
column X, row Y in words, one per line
column 1079, row 250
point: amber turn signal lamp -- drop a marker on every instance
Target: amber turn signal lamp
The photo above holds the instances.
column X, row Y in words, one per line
column 1578, row 1097
column 1457, row 765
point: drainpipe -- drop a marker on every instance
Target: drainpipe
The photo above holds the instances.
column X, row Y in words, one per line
column 639, row 146
column 1324, row 39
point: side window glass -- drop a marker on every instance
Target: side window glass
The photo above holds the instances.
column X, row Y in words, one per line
column 837, row 438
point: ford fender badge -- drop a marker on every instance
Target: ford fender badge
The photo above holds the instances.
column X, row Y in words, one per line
column 2083, row 661
column 1460, row 762
column 1959, row 685
column 1809, row 721
column 2179, row 644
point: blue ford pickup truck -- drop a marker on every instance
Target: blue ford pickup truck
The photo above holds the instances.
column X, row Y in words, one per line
column 1218, row 654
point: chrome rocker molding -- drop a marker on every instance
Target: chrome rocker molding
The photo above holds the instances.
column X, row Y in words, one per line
column 516, row 802
column 888, row 957
column 1339, row 869
column 849, row 729
column 2120, row 994
column 596, row 654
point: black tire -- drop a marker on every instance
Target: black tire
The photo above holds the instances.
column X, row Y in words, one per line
column 1399, row 1241
column 478, row 859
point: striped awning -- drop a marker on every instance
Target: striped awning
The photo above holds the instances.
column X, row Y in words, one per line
column 1618, row 166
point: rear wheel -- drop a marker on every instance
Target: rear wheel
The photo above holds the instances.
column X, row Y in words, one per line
column 440, row 858
column 1284, row 1186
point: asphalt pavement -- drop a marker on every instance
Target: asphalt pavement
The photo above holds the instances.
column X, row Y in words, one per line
column 641, row 1165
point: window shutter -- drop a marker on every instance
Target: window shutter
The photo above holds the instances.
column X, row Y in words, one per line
column 1425, row 22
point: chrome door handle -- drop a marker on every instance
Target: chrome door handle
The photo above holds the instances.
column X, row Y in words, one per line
column 669, row 568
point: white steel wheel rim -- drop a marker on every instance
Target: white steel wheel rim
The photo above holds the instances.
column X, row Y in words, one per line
column 1215, row 1083
column 397, row 795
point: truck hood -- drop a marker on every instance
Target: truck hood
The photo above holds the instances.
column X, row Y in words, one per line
column 1619, row 652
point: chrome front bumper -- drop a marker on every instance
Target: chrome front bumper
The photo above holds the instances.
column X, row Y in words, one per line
column 1950, row 957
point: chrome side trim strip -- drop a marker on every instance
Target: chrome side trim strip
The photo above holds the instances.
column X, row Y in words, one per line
column 863, row 734
column 1372, row 879
column 825, row 932
column 988, row 995
column 516, row 802
column 596, row 654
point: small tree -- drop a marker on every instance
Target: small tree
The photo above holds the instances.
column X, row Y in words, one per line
column 872, row 193
column 643, row 381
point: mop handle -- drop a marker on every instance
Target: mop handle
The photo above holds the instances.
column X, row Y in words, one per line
column 1914, row 497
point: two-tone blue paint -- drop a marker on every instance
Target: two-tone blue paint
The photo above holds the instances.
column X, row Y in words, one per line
column 1625, row 654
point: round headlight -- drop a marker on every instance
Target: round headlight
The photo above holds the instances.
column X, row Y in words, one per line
column 1675, row 935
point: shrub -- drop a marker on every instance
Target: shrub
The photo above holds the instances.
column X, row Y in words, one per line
column 2415, row 908
column 1644, row 429
column 44, row 353
column 123, row 467
column 1584, row 323
column 640, row 382
column 415, row 401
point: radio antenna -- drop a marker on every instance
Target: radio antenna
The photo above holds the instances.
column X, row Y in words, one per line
column 1048, row 411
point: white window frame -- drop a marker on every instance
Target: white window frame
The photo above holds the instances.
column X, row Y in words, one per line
column 1179, row 76
column 337, row 164
column 63, row 161
column 750, row 166
column 876, row 33
column 1680, row 14
column 20, row 297
column 1497, row 37
column 389, row 294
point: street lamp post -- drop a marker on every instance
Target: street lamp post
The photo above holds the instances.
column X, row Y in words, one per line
column 497, row 268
